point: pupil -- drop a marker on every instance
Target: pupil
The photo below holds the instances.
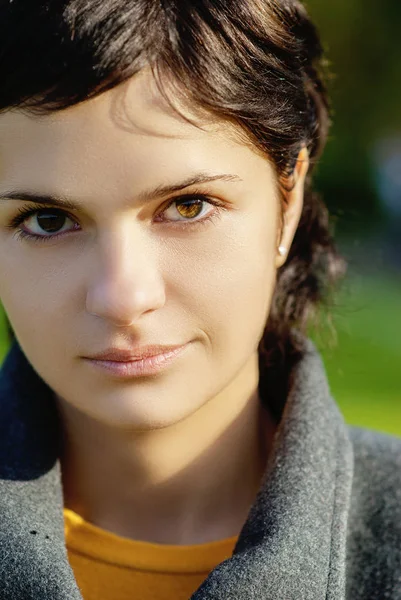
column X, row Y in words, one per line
column 51, row 221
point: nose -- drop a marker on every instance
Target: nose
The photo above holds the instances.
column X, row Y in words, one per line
column 126, row 281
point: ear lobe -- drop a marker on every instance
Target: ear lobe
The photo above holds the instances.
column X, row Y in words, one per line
column 292, row 209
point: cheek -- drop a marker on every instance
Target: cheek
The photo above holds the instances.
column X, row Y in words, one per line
column 33, row 293
column 227, row 283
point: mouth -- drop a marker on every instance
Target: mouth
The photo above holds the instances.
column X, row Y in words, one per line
column 149, row 361
column 130, row 355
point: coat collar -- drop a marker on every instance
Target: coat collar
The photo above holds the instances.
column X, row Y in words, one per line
column 293, row 544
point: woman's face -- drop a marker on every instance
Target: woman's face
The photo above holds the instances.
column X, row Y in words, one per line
column 132, row 265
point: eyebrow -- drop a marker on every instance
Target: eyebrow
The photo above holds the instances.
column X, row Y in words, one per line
column 158, row 192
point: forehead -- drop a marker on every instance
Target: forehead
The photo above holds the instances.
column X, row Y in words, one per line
column 116, row 136
column 135, row 108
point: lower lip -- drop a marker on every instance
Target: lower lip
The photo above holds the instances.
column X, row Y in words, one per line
column 137, row 368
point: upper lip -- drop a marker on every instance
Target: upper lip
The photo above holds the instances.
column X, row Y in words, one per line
column 122, row 355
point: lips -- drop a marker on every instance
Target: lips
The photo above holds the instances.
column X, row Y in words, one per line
column 125, row 355
column 144, row 362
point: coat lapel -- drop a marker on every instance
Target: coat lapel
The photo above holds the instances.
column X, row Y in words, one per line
column 33, row 557
column 292, row 545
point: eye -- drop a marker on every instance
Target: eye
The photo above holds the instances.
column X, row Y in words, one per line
column 47, row 220
column 38, row 223
column 191, row 208
column 42, row 224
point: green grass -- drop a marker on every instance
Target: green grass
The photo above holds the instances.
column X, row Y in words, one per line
column 364, row 366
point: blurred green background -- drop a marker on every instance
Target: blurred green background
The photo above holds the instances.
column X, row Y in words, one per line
column 360, row 179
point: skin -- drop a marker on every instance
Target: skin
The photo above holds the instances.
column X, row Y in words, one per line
column 175, row 457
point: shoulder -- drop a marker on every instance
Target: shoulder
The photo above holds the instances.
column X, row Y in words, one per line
column 374, row 527
column 377, row 474
column 377, row 463
column 369, row 438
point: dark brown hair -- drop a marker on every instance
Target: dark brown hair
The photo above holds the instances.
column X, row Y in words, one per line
column 255, row 62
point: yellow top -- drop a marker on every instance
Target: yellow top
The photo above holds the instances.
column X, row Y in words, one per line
column 109, row 567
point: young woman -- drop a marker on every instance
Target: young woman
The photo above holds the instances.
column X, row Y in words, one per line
column 167, row 429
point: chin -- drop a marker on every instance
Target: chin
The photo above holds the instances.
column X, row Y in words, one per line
column 149, row 418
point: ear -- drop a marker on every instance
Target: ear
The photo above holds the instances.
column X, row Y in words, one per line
column 292, row 209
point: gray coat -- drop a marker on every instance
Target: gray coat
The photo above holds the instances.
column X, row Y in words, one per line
column 326, row 524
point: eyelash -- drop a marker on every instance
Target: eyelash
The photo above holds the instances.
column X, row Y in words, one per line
column 25, row 212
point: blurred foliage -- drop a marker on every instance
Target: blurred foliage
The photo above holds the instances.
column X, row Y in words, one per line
column 362, row 43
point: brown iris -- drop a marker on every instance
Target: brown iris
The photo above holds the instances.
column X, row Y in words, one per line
column 189, row 208
column 51, row 221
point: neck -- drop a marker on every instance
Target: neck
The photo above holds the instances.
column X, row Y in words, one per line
column 189, row 483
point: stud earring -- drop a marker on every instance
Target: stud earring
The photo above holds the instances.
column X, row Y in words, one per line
column 282, row 250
